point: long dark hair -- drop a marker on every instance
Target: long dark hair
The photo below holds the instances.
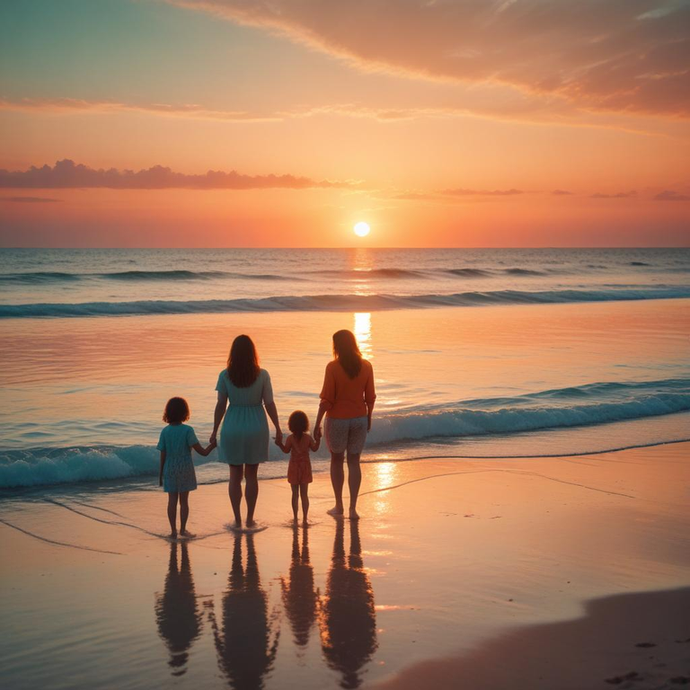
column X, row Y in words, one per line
column 243, row 362
column 346, row 351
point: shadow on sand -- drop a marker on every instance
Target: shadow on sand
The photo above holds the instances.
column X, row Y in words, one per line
column 245, row 642
column 177, row 614
column 347, row 618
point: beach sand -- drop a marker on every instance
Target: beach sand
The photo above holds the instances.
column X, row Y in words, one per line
column 570, row 572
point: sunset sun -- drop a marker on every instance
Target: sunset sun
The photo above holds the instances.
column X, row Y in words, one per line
column 361, row 229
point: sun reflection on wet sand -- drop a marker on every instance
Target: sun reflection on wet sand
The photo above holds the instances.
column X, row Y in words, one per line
column 385, row 475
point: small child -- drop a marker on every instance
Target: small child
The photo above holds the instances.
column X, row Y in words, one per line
column 177, row 476
column 298, row 444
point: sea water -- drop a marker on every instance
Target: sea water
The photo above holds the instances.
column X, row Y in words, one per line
column 477, row 353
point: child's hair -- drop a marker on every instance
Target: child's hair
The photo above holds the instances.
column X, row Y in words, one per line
column 298, row 423
column 176, row 411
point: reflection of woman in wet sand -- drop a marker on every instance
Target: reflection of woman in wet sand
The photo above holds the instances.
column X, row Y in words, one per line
column 179, row 621
column 245, row 652
column 299, row 596
column 347, row 619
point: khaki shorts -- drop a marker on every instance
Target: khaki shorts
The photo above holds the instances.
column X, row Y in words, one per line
column 346, row 434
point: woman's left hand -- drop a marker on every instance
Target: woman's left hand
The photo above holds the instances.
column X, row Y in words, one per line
column 279, row 436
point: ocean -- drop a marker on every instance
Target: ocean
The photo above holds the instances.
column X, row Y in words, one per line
column 477, row 353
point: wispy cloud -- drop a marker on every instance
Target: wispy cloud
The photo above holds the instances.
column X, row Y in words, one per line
column 29, row 199
column 618, row 55
column 68, row 174
column 561, row 192
column 66, row 106
column 476, row 103
column 619, row 195
column 482, row 192
column 669, row 195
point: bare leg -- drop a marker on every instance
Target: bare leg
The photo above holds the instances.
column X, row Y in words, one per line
column 184, row 513
column 172, row 513
column 304, row 493
column 295, row 500
column 337, row 480
column 235, row 492
column 251, row 491
column 354, row 481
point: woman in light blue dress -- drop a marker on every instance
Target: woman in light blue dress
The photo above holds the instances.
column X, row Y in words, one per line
column 244, row 390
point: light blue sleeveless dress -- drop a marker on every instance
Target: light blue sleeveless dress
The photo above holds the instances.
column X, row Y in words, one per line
column 178, row 472
column 244, row 432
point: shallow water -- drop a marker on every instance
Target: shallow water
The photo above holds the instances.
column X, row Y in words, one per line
column 83, row 397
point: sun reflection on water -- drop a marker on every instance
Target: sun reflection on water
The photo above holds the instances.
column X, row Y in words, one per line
column 362, row 330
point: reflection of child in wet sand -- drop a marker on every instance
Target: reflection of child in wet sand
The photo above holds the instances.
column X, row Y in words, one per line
column 298, row 444
column 243, row 644
column 179, row 622
column 299, row 595
column 177, row 476
column 347, row 618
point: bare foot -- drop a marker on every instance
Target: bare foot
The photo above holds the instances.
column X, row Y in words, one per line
column 305, row 523
column 237, row 526
column 173, row 535
column 251, row 524
column 336, row 511
column 354, row 515
column 187, row 534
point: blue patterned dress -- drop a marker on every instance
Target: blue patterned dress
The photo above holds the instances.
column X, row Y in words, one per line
column 178, row 472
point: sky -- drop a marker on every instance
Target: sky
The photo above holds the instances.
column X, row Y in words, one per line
column 442, row 123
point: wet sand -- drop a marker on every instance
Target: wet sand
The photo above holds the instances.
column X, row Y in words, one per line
column 518, row 573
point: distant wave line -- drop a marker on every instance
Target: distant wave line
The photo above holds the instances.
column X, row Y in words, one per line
column 318, row 303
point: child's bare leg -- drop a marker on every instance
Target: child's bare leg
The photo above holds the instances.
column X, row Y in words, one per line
column 251, row 491
column 235, row 492
column 184, row 513
column 304, row 493
column 354, row 481
column 337, row 481
column 295, row 500
column 172, row 513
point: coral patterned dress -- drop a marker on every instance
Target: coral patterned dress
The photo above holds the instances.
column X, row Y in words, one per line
column 299, row 467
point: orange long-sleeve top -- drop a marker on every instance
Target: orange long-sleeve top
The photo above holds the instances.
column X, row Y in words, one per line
column 346, row 398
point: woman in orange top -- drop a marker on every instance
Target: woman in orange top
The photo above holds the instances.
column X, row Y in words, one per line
column 347, row 400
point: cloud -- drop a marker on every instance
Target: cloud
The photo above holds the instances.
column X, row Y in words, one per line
column 68, row 174
column 669, row 195
column 66, row 106
column 613, row 55
column 483, row 102
column 482, row 192
column 30, row 199
column 620, row 195
column 560, row 192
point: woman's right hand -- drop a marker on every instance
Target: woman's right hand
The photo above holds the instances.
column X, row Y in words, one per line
column 212, row 440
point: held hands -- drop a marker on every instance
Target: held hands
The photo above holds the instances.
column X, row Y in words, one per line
column 318, row 433
column 212, row 439
column 279, row 437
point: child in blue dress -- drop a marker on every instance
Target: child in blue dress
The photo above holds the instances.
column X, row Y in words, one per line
column 177, row 475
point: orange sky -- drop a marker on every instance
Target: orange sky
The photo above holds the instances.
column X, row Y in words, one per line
column 440, row 124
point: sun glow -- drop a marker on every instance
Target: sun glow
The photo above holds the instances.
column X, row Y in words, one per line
column 361, row 229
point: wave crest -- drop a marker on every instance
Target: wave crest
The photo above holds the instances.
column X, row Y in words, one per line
column 359, row 303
